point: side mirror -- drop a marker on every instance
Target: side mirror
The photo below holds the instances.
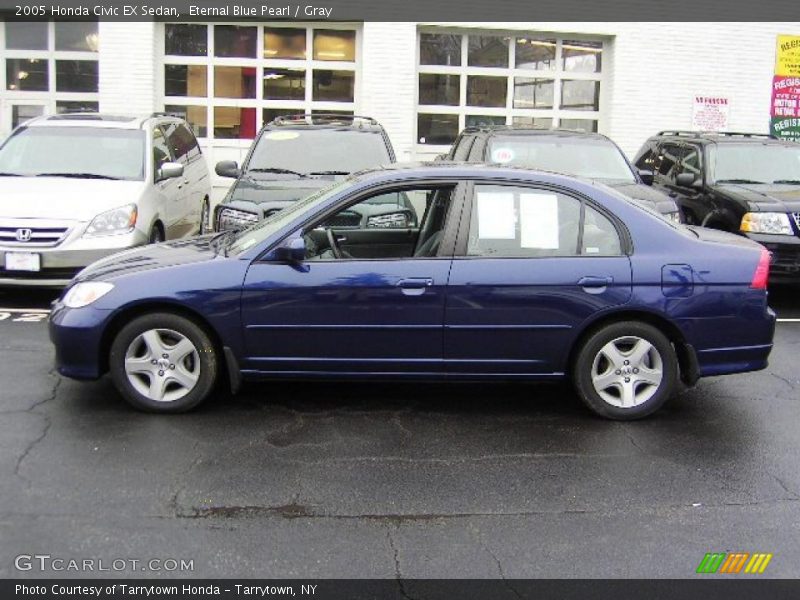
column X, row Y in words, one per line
column 227, row 168
column 685, row 179
column 646, row 176
column 169, row 170
column 291, row 250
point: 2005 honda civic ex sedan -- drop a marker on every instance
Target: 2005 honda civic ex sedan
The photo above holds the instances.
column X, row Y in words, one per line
column 511, row 274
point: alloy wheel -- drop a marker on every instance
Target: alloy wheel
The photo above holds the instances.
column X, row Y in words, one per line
column 627, row 371
column 162, row 365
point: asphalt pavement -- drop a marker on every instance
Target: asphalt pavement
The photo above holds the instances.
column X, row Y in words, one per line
column 386, row 480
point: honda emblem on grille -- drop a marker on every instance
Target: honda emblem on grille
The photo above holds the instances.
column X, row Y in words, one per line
column 24, row 235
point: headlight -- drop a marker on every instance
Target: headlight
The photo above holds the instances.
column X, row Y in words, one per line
column 230, row 218
column 84, row 293
column 674, row 217
column 775, row 223
column 113, row 222
column 393, row 220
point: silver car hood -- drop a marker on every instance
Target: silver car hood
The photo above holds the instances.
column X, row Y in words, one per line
column 64, row 198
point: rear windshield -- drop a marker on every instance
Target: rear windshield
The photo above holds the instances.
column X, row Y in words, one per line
column 82, row 152
column 594, row 158
column 319, row 150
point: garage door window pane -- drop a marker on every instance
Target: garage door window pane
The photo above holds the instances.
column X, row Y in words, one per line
column 284, row 84
column 533, row 93
column 285, row 43
column 186, row 40
column 582, row 57
column 235, row 41
column 65, row 106
column 234, row 123
column 186, row 80
column 440, row 49
column 535, row 54
column 334, row 86
column 437, row 129
column 76, row 36
column 196, row 116
column 22, row 112
column 76, row 75
column 26, row 36
column 235, row 82
column 334, row 45
column 580, row 95
column 510, row 222
column 588, row 125
column 487, row 51
column 486, row 91
column 26, row 75
column 543, row 122
column 439, row 89
column 483, row 121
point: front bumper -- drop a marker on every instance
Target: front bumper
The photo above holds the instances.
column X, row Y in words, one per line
column 785, row 251
column 78, row 338
column 59, row 264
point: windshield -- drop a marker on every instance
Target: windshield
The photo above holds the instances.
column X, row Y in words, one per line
column 246, row 239
column 319, row 151
column 594, row 158
column 756, row 163
column 84, row 152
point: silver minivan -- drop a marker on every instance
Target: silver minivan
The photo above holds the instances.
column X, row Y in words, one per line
column 77, row 187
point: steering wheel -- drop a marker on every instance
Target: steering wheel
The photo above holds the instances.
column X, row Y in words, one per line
column 334, row 244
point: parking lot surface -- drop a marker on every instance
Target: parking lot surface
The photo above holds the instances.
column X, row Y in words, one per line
column 396, row 480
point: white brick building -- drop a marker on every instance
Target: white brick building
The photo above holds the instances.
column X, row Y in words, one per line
column 422, row 81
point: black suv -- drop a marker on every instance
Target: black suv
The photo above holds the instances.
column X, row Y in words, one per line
column 578, row 153
column 739, row 182
column 294, row 156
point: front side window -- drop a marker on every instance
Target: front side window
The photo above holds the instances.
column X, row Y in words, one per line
column 526, row 222
column 81, row 152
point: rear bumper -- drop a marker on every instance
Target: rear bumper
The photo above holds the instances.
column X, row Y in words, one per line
column 739, row 359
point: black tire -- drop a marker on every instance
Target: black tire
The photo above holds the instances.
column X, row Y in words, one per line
column 202, row 363
column 156, row 235
column 643, row 395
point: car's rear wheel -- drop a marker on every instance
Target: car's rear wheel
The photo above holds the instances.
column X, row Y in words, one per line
column 163, row 363
column 626, row 370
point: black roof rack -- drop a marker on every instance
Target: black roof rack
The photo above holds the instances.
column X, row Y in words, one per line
column 521, row 127
column 688, row 133
column 299, row 118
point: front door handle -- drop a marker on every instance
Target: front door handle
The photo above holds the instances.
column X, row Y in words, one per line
column 414, row 286
column 594, row 282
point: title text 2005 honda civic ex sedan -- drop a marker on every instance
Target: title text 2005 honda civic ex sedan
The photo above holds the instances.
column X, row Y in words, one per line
column 511, row 274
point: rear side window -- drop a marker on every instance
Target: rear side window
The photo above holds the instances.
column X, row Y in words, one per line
column 514, row 221
column 183, row 143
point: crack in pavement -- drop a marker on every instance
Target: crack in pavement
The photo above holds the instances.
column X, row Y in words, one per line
column 506, row 583
column 794, row 495
column 45, row 430
column 398, row 576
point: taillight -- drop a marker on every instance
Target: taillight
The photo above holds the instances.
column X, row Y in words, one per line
column 761, row 275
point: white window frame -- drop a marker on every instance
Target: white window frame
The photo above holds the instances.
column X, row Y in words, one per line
column 309, row 64
column 508, row 112
column 48, row 98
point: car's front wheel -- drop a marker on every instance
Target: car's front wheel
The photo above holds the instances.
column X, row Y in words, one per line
column 626, row 370
column 163, row 363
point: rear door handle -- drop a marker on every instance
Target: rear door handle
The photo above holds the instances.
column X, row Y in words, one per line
column 415, row 286
column 594, row 282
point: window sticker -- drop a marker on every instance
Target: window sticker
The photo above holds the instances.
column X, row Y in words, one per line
column 496, row 219
column 538, row 215
column 281, row 136
column 502, row 155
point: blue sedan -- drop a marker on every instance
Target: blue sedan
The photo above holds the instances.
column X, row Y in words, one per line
column 440, row 271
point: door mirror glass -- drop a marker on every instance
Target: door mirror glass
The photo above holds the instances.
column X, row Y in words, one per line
column 227, row 168
column 685, row 179
column 646, row 176
column 170, row 170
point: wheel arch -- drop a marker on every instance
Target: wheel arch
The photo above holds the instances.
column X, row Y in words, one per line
column 687, row 359
column 130, row 312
